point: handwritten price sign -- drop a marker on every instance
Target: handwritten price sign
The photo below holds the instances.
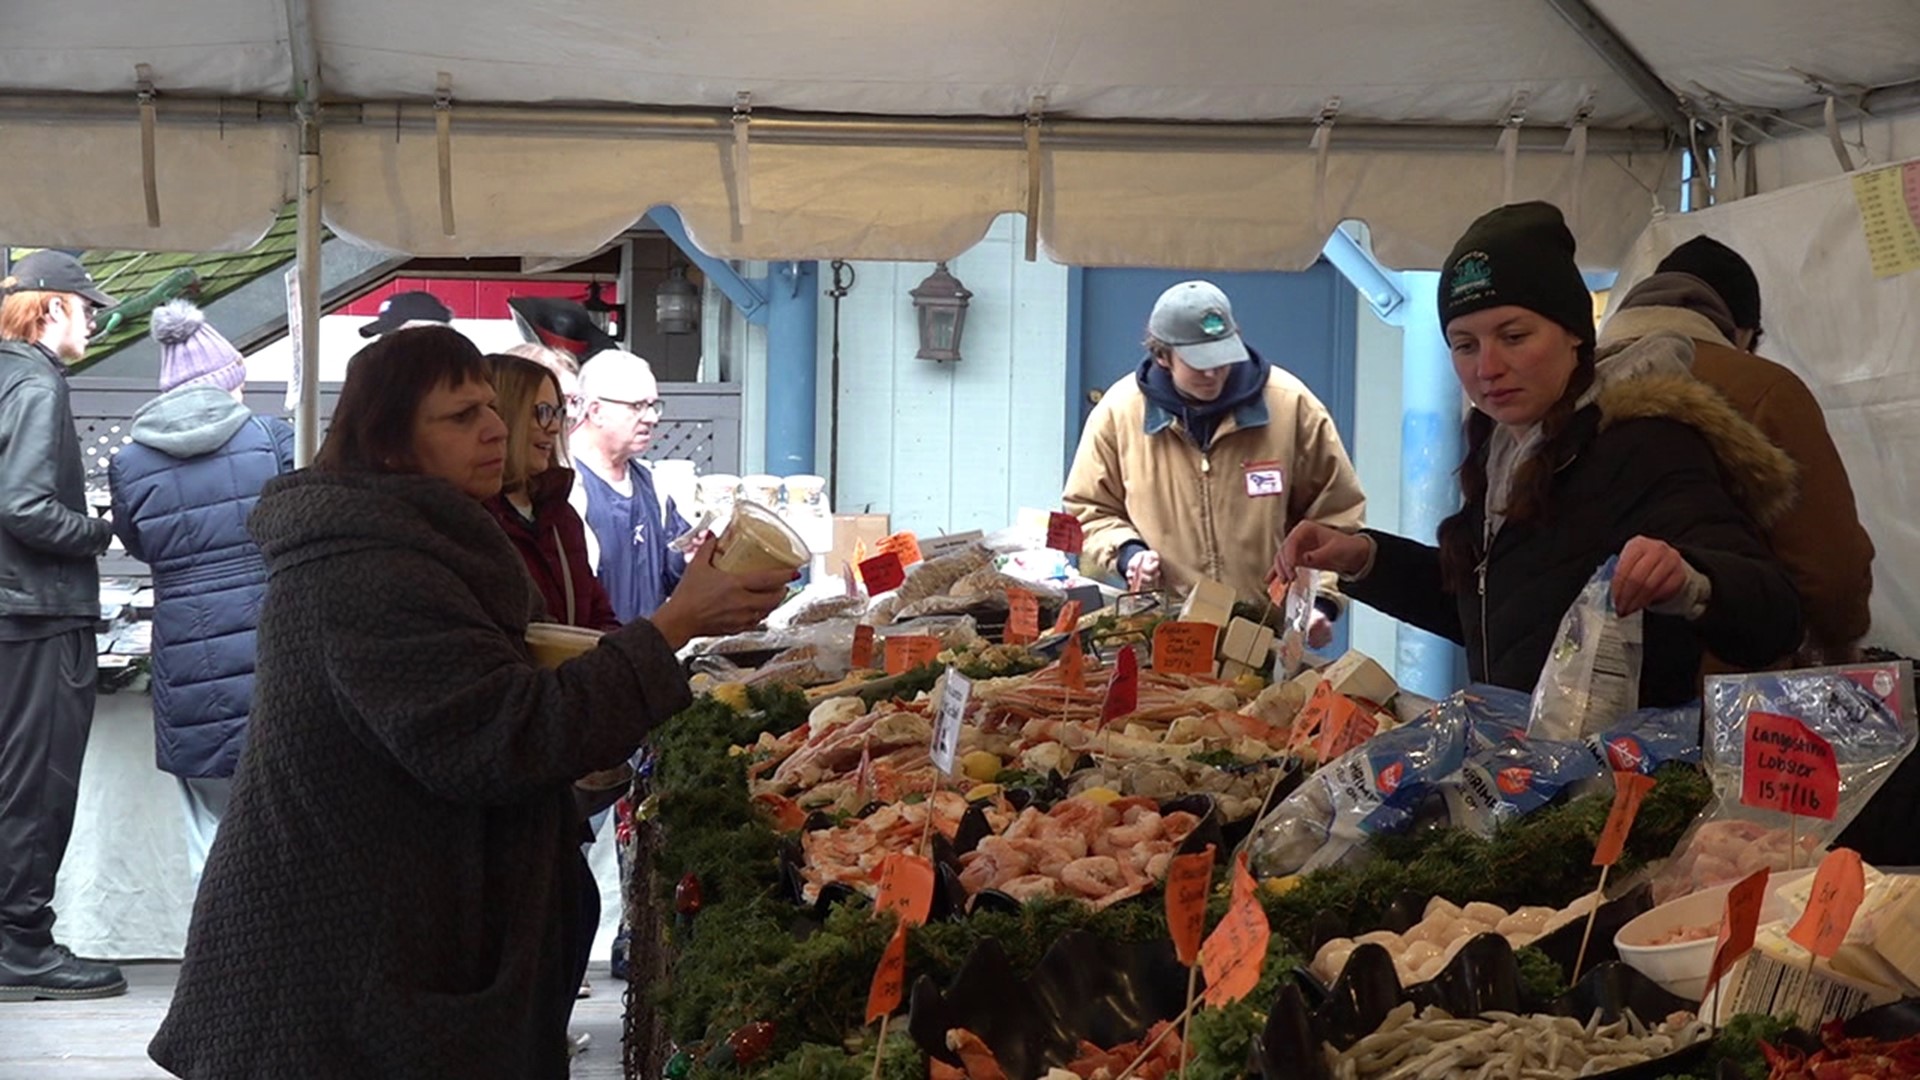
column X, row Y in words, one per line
column 908, row 651
column 1188, row 877
column 1023, row 617
column 1123, row 688
column 1788, row 768
column 862, row 653
column 1628, row 789
column 1184, row 648
column 883, row 573
column 903, row 544
column 906, row 887
column 1839, row 887
column 890, row 978
column 1064, row 533
column 1237, row 949
column 1739, row 918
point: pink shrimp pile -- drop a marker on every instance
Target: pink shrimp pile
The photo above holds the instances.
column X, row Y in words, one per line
column 851, row 853
column 1098, row 853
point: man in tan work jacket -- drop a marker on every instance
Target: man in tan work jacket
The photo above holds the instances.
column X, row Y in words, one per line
column 1199, row 462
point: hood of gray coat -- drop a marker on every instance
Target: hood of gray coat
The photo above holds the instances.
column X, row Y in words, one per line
column 189, row 422
column 309, row 516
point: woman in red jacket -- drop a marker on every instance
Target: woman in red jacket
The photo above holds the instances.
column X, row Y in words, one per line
column 532, row 510
column 532, row 505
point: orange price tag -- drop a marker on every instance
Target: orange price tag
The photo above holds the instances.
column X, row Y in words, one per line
column 906, row 887
column 1342, row 722
column 908, row 651
column 862, row 646
column 1184, row 648
column 1123, row 688
column 1069, row 619
column 1073, row 664
column 1839, row 886
column 1023, row 617
column 1628, row 789
column 890, row 978
column 1738, row 920
column 1277, row 592
column 1237, row 949
column 883, row 573
column 1188, row 878
column 904, row 544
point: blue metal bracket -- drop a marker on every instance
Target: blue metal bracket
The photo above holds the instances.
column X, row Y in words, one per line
column 748, row 294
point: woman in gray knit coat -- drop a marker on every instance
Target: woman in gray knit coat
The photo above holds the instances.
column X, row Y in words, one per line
column 392, row 893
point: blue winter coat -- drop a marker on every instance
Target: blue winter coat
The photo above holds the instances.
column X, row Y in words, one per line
column 182, row 491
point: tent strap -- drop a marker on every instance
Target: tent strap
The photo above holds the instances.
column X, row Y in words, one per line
column 149, row 176
column 443, row 139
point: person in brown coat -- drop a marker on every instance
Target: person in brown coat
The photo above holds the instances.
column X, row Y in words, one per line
column 1705, row 291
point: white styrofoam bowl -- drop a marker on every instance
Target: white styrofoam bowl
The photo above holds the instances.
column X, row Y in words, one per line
column 1681, row 969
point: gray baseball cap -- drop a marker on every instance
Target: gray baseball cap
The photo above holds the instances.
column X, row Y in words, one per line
column 1195, row 319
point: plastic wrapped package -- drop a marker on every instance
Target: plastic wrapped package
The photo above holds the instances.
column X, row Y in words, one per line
column 954, row 631
column 1296, row 621
column 1865, row 712
column 1508, row 774
column 1592, row 674
column 1373, row 788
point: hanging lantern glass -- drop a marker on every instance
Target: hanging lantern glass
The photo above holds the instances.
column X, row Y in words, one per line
column 941, row 304
column 606, row 316
column 676, row 304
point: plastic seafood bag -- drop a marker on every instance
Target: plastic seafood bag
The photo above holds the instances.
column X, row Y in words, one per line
column 1647, row 739
column 1506, row 773
column 1592, row 675
column 1864, row 712
column 1374, row 788
column 1296, row 619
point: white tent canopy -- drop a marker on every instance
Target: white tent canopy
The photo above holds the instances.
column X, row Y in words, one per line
column 1160, row 134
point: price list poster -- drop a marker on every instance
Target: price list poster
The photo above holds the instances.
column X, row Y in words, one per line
column 1889, row 202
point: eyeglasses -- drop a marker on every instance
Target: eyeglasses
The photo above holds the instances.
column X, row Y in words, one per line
column 644, row 408
column 545, row 414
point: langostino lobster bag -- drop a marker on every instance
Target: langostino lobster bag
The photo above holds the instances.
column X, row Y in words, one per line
column 1793, row 756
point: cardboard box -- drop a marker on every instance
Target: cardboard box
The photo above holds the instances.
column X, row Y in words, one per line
column 851, row 530
column 1357, row 676
column 1247, row 642
column 1209, row 602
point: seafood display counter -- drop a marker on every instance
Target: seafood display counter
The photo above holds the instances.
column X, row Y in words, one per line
column 1074, row 857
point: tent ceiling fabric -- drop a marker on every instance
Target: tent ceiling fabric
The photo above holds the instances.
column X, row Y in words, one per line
column 1390, row 62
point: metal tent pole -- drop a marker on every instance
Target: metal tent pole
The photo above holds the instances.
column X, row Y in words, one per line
column 306, row 416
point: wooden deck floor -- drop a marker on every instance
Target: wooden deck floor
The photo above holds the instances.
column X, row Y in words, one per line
column 107, row 1039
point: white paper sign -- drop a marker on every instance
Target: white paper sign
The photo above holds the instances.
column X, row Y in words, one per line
column 946, row 724
column 296, row 377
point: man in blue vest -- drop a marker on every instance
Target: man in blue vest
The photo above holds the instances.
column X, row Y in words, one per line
column 628, row 522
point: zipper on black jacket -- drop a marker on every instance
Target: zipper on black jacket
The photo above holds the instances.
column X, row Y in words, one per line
column 1486, row 664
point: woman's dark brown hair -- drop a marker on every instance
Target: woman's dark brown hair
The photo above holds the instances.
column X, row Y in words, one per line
column 1532, row 482
column 372, row 427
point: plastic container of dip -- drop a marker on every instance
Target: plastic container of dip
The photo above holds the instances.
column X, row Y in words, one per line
column 554, row 644
column 756, row 539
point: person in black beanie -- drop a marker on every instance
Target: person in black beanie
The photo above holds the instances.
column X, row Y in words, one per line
column 1729, row 276
column 1574, row 457
column 1705, row 292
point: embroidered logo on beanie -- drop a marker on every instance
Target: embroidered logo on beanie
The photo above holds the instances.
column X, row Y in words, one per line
column 1472, row 276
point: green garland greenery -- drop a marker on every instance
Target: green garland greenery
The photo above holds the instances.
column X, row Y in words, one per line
column 742, row 959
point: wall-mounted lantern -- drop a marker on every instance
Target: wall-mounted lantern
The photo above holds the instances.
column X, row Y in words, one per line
column 676, row 304
column 941, row 304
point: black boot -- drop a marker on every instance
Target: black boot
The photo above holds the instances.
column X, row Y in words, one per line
column 58, row 976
